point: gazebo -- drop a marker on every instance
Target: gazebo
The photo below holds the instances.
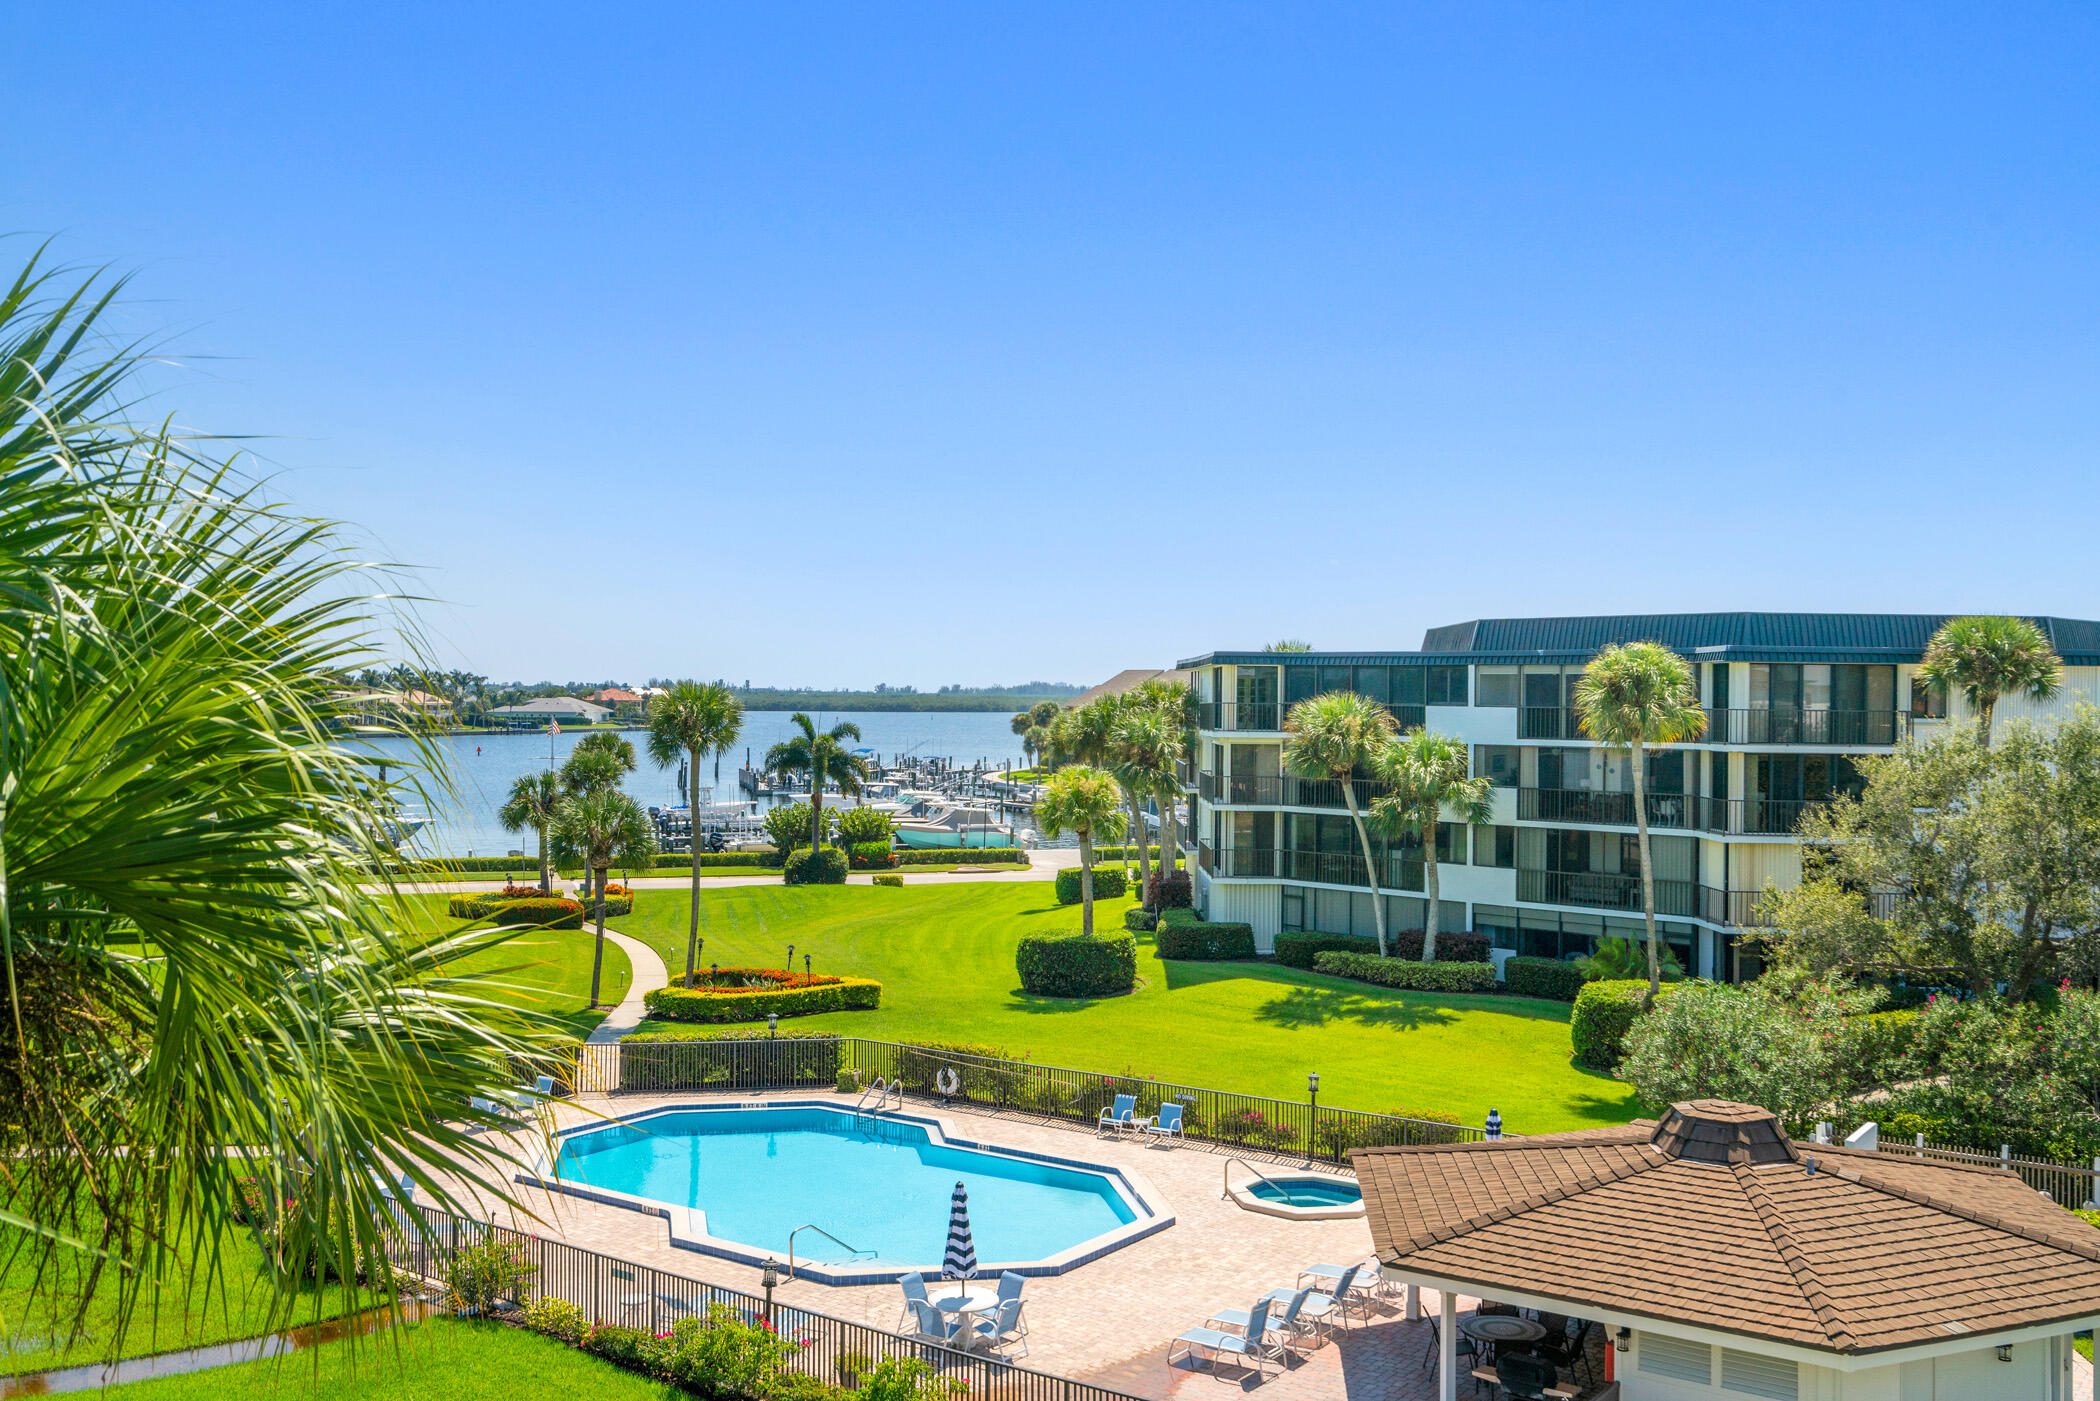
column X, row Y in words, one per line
column 1726, row 1261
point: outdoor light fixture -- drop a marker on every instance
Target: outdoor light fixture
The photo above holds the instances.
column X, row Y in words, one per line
column 772, row 1023
column 808, row 978
column 769, row 1278
column 791, row 958
column 1312, row 1118
column 1623, row 1340
column 2005, row 1352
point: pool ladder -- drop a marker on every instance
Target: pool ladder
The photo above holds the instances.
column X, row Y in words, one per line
column 854, row 1251
column 1227, row 1189
column 882, row 1090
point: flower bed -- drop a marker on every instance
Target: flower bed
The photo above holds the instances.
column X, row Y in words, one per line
column 749, row 994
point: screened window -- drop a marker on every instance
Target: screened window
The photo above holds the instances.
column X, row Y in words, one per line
column 1300, row 683
column 1408, row 685
column 1496, row 685
column 1375, row 683
column 1445, row 685
column 1497, row 763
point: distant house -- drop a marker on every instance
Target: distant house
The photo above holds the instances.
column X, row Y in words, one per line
column 545, row 708
column 1724, row 1261
column 392, row 709
column 1128, row 680
column 620, row 701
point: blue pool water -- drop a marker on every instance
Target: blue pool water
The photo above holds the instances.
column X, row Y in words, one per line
column 881, row 1185
column 1307, row 1191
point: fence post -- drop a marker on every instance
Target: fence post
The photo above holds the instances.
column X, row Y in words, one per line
column 2005, row 1156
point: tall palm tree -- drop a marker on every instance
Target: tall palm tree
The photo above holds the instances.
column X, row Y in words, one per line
column 598, row 829
column 1141, row 748
column 1424, row 774
column 1639, row 697
column 1037, row 734
column 202, row 976
column 1176, row 701
column 1087, row 734
column 602, row 753
column 825, row 758
column 1331, row 736
column 535, row 799
column 1986, row 657
column 687, row 721
column 1086, row 802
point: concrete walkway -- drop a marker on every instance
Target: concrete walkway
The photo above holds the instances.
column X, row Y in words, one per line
column 1042, row 865
column 647, row 976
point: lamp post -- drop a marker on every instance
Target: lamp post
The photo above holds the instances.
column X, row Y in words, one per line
column 791, row 961
column 808, row 978
column 772, row 1024
column 770, row 1279
column 1312, row 1127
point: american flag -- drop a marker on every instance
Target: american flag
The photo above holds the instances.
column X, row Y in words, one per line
column 554, row 727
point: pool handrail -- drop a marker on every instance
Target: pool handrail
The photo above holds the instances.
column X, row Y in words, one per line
column 883, row 1089
column 1227, row 1191
column 809, row 1226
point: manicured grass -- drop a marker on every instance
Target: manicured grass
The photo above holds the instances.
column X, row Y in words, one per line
column 442, row 1360
column 242, row 1302
column 547, row 970
column 945, row 954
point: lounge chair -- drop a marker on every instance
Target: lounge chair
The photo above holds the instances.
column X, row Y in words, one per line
column 1218, row 1343
column 1366, row 1284
column 914, row 1287
column 1122, row 1116
column 1290, row 1323
column 1167, row 1125
column 1316, row 1310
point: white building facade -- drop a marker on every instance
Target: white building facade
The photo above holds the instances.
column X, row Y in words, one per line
column 1793, row 701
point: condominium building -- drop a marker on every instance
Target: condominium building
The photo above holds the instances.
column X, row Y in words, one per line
column 1793, row 700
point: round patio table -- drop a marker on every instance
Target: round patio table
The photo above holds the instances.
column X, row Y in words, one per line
column 969, row 1303
column 1497, row 1329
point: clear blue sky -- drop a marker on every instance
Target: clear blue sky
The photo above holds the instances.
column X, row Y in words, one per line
column 928, row 344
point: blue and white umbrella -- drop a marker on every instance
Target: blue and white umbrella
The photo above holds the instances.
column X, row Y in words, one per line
column 960, row 1261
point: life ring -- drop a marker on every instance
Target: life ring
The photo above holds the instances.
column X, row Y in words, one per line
column 948, row 1081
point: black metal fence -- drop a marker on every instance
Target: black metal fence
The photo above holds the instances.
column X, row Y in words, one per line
column 613, row 1291
column 1051, row 1092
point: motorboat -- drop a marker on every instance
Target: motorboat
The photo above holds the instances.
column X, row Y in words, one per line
column 954, row 827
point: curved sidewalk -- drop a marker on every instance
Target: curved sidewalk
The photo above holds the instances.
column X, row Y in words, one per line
column 1043, row 864
column 648, row 975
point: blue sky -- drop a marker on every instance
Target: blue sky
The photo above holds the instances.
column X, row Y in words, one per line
column 844, row 344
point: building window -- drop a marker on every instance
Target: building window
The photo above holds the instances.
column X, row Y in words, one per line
column 1375, row 683
column 1495, row 846
column 1300, row 683
column 1497, row 763
column 1497, row 685
column 1451, row 842
column 1446, row 685
column 1927, row 702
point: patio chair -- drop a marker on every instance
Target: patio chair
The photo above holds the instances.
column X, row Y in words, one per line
column 631, row 1298
column 930, row 1324
column 1120, row 1117
column 1002, row 1332
column 1167, row 1127
column 1248, row 1345
column 1010, row 1285
column 1368, row 1283
column 1568, row 1346
column 914, row 1287
column 1525, row 1378
column 1467, row 1348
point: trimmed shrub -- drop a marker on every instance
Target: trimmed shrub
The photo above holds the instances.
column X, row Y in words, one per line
column 1604, row 1012
column 1542, row 977
column 660, row 1062
column 558, row 1319
column 1140, row 920
column 1336, row 1136
column 870, row 856
column 1406, row 973
column 632, row 1348
column 1077, row 965
column 542, row 911
column 889, row 880
column 863, row 824
column 1201, row 941
column 729, row 1004
column 818, row 866
column 615, row 906
column 1299, row 950
column 1452, row 946
column 1120, row 853
column 1171, row 892
column 963, row 856
column 470, row 906
column 1108, row 884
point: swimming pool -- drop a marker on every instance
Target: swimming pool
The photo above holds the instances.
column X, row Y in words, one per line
column 1295, row 1196
column 739, row 1179
column 1309, row 1191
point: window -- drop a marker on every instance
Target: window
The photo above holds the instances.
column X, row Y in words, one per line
column 1334, row 678
column 1497, row 685
column 1497, row 763
column 1446, row 685
column 1495, row 846
column 1927, row 702
column 1753, row 1374
column 1375, row 683
column 1673, row 1357
column 1409, row 685
column 1299, row 683
column 1451, row 842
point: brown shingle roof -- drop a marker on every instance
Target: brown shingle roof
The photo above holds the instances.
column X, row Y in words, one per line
column 1713, row 1218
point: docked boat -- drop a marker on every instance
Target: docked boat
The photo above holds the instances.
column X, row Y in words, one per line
column 959, row 827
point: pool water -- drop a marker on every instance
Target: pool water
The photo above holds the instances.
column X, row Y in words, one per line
column 881, row 1185
column 1307, row 1191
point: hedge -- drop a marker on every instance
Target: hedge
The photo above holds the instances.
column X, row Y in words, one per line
column 547, row 913
column 1123, row 853
column 527, row 865
column 870, row 856
column 1201, row 941
column 889, row 880
column 661, row 1061
column 1077, row 965
column 967, row 856
column 1299, row 950
column 1405, row 973
column 702, row 1004
column 1139, row 920
column 817, row 866
column 1604, row 1012
column 1543, row 977
column 1452, row 946
column 1108, row 884
column 1173, row 892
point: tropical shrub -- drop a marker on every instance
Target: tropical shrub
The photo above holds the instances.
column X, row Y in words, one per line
column 1336, row 1135
column 1170, row 892
column 1253, row 1126
column 1299, row 950
column 904, row 1379
column 1198, row 940
column 632, row 1348
column 1624, row 959
column 1108, row 884
column 1407, row 973
column 1140, row 920
column 470, row 906
column 787, row 827
column 615, row 905
column 545, row 912
column 1077, row 965
column 1542, row 977
column 1124, row 853
column 1604, row 1011
column 818, row 866
column 486, row 1275
column 251, row 1201
column 722, row 1355
column 889, row 880
column 870, row 856
column 753, row 1004
column 975, row 856
column 558, row 1319
column 864, row 824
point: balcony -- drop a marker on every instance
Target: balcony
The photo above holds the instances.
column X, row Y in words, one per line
column 1607, row 891
column 1584, row 806
column 1244, row 861
column 1771, row 817
column 1347, row 868
column 1238, row 715
column 1284, row 790
column 1548, row 722
column 1788, row 725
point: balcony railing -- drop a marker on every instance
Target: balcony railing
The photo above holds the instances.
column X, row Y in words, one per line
column 1605, row 891
column 1774, row 817
column 1245, row 861
column 1238, row 715
column 1284, row 790
column 1347, row 868
column 1548, row 722
column 1788, row 725
column 1674, row 810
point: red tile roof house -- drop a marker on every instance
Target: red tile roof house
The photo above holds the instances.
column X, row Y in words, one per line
column 1727, row 1262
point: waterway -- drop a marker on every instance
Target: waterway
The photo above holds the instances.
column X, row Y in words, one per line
column 483, row 767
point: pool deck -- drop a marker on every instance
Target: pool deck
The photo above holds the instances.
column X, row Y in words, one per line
column 1110, row 1321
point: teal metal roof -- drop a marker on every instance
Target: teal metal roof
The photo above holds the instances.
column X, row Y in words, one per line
column 1766, row 637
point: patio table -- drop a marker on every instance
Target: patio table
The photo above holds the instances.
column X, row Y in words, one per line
column 1496, row 1329
column 968, row 1304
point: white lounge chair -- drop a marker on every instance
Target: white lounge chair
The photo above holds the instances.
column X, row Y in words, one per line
column 1316, row 1310
column 1218, row 1343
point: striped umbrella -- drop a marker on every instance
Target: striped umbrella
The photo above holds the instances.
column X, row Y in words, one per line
column 960, row 1261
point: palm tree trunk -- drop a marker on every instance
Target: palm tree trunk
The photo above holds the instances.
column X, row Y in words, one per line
column 546, row 871
column 1640, row 823
column 1137, row 824
column 1430, row 889
column 692, row 812
column 1086, row 881
column 1985, row 705
column 597, row 884
column 816, row 809
column 1169, row 834
column 1363, row 836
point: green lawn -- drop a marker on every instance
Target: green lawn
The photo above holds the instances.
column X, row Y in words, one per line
column 945, row 954
column 548, row 970
column 443, row 1360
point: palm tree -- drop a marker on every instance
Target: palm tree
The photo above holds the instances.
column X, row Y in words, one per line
column 597, row 829
column 1986, row 657
column 1637, row 697
column 1331, row 737
column 203, row 974
column 533, row 802
column 825, row 758
column 602, row 758
column 1424, row 774
column 1142, row 749
column 1036, row 734
column 1087, row 735
column 1177, row 702
column 1288, row 644
column 687, row 721
column 1084, row 801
